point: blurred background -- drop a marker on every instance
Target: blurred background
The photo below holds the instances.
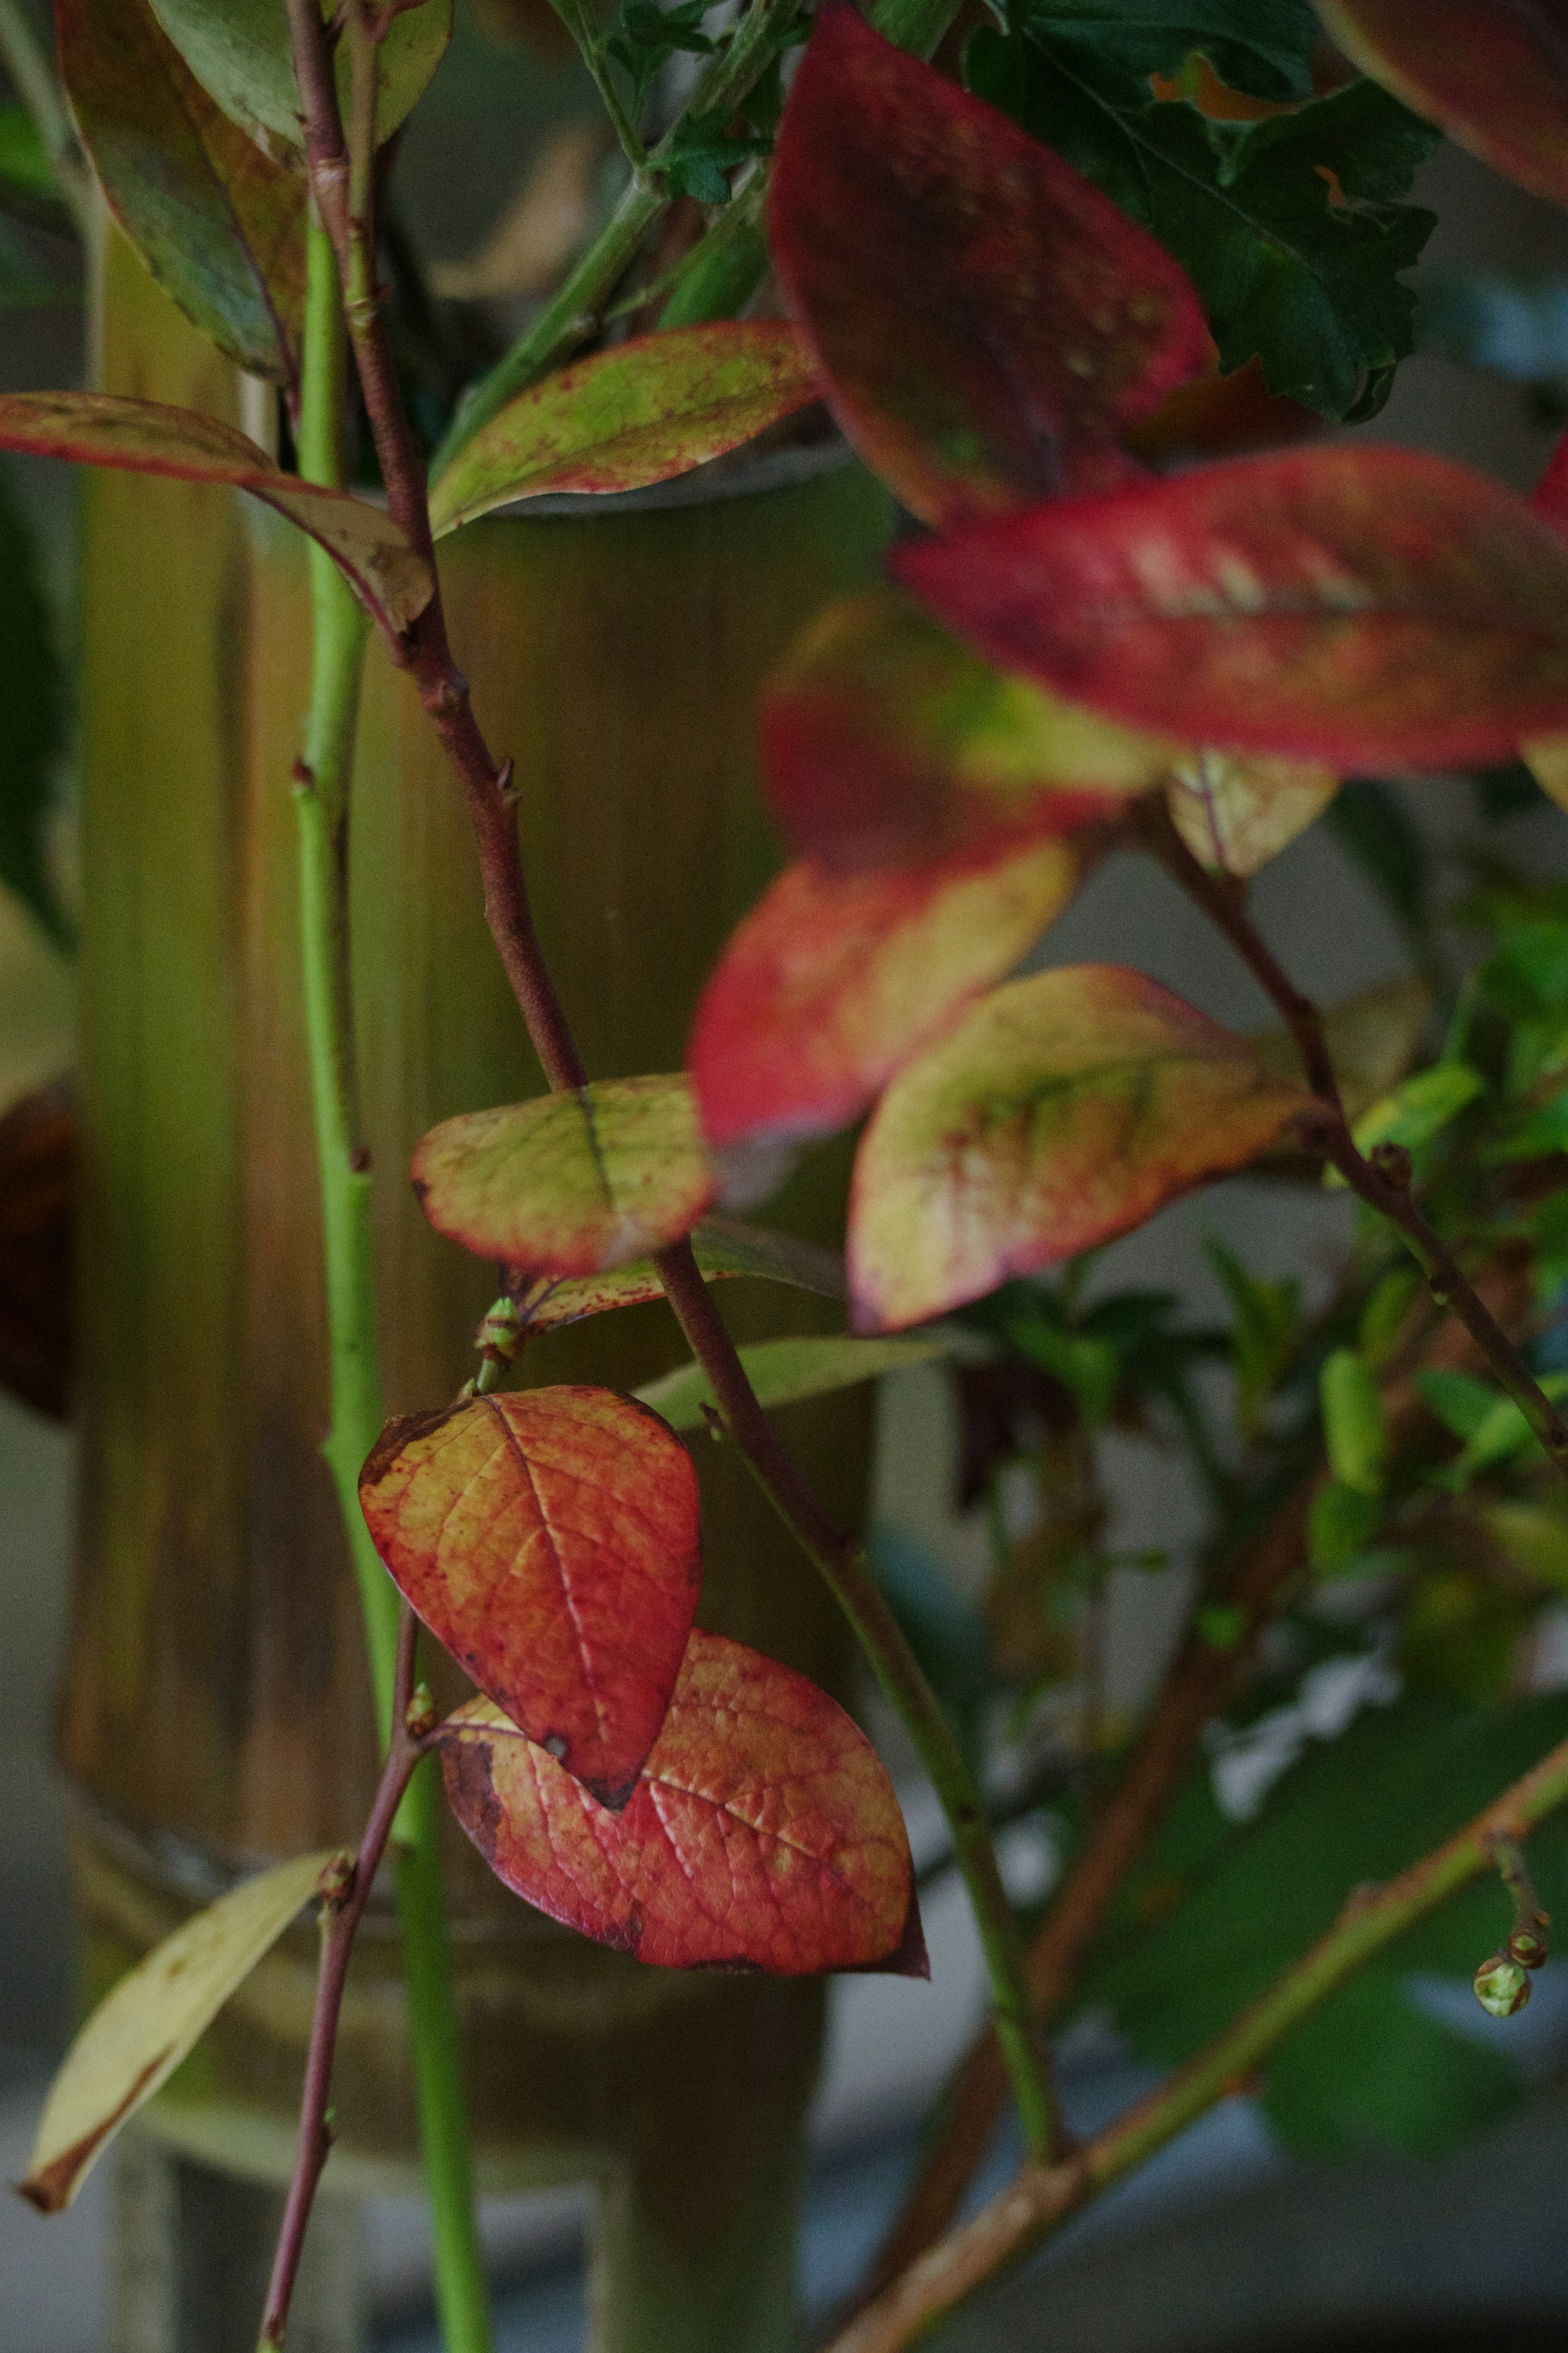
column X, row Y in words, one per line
column 1224, row 2241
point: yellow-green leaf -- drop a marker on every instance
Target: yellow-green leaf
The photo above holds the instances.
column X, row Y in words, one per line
column 1235, row 814
column 141, row 2029
column 783, row 1371
column 641, row 413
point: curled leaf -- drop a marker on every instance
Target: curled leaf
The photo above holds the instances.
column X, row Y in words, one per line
column 833, row 981
column 988, row 322
column 1493, row 74
column 570, row 1184
column 762, row 1833
column 144, row 436
column 240, row 52
column 1235, row 815
column 143, row 2028
column 1356, row 605
column 781, row 1372
column 723, row 1248
column 549, row 1538
column 885, row 739
column 641, row 413
column 220, row 227
column 1062, row 1110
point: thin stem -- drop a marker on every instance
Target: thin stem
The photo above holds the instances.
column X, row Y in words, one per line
column 593, row 49
column 1527, row 1939
column 727, row 264
column 346, row 1892
column 843, row 1564
column 1041, row 2198
column 322, row 781
column 36, row 84
column 1386, row 1191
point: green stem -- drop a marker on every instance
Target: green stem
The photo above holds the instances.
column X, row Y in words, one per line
column 1042, row 2198
column 581, row 23
column 724, row 268
column 321, row 802
column 577, row 310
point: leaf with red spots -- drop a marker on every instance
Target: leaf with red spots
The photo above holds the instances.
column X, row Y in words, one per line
column 1356, row 605
column 550, row 1540
column 1493, row 74
column 144, row 436
column 988, row 322
column 639, row 413
column 571, row 1183
column 833, row 981
column 1064, row 1110
column 883, row 738
column 762, row 1833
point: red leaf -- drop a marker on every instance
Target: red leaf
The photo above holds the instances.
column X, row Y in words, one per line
column 569, row 1184
column 1357, row 605
column 834, row 980
column 762, row 1833
column 1063, row 1110
column 987, row 321
column 549, row 1538
column 144, row 436
column 883, row 739
column 1492, row 73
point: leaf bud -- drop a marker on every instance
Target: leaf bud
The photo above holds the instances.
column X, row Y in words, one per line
column 1391, row 1162
column 1527, row 1947
column 337, row 1878
column 420, row 1717
column 1502, row 1987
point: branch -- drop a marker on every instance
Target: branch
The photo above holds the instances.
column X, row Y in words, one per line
column 1041, row 2198
column 1384, row 1188
column 346, row 1892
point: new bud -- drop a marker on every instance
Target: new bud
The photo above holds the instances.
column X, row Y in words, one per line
column 420, row 1717
column 1502, row 1986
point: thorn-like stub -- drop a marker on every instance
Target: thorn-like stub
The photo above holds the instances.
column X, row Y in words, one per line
column 1391, row 1162
column 1502, row 1986
column 336, row 1880
column 420, row 1717
column 446, row 694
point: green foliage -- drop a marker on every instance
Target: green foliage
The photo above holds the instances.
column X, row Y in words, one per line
column 1372, row 827
column 1228, row 1907
column 646, row 36
column 1343, row 1521
column 1262, row 46
column 1266, row 1318
column 1294, row 230
column 1355, row 1430
column 32, row 696
column 703, row 153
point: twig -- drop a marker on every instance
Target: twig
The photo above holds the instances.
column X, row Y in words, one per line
column 1384, row 1188
column 346, row 1892
column 1041, row 2198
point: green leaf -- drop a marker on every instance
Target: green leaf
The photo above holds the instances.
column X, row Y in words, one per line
column 1342, row 1520
column 1460, row 1402
column 24, row 159
column 1293, row 229
column 1262, row 46
column 1384, row 1316
column 1233, row 1906
column 238, row 50
column 1374, row 829
column 1267, row 1316
column 646, row 36
column 32, row 696
column 1354, row 1428
column 220, row 227
column 1491, row 1435
column 1416, row 1112
column 700, row 154
column 784, row 1371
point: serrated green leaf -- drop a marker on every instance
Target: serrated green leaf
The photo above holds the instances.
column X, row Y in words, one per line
column 32, row 696
column 783, row 1371
column 1294, row 230
column 1262, row 46
column 702, row 153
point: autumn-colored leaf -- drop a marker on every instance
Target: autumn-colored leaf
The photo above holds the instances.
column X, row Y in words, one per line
column 1357, row 605
column 1493, row 74
column 883, row 738
column 1062, row 1110
column 639, row 413
column 239, row 51
column 1235, row 815
column 570, row 1184
column 143, row 437
column 549, row 1538
column 142, row 2028
column 988, row 322
column 221, row 227
column 833, row 981
column 723, row 1248
column 781, row 1372
column 762, row 1833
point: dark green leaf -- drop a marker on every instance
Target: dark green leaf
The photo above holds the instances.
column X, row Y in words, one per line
column 23, row 162
column 33, row 697
column 646, row 36
column 1267, row 1316
column 1372, row 827
column 1371, row 2071
column 1293, row 229
column 1262, row 46
column 1342, row 1520
column 702, row 153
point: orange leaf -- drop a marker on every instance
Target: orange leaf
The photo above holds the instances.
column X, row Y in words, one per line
column 833, row 981
column 570, row 1184
column 1065, row 1109
column 988, row 323
column 143, row 437
column 762, row 1833
column 549, row 1538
